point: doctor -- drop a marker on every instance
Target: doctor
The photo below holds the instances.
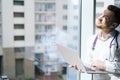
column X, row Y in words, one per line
column 104, row 47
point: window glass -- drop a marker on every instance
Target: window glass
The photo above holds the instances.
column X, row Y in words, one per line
column 45, row 17
column 18, row 38
column 19, row 49
column 45, row 7
column 64, row 17
column 65, row 6
column 99, row 4
column 18, row 14
column 18, row 2
column 64, row 27
column 18, row 26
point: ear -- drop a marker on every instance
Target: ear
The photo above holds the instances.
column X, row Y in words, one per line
column 114, row 25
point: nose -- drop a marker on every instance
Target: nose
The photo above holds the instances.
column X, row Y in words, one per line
column 100, row 17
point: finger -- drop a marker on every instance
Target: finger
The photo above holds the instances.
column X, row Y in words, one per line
column 76, row 67
column 93, row 68
column 71, row 66
column 81, row 71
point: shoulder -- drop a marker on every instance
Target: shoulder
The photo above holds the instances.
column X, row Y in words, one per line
column 91, row 39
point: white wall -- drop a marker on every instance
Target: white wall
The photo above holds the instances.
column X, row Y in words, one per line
column 29, row 23
column 7, row 23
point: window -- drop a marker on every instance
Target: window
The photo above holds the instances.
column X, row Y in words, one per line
column 18, row 14
column 98, row 14
column 0, row 39
column 100, row 4
column 16, row 38
column 50, row 7
column 44, row 28
column 19, row 49
column 49, row 28
column 65, row 17
column 1, row 66
column 64, row 27
column 75, row 27
column 20, row 3
column 65, row 6
column 45, row 17
column 75, row 17
column 18, row 26
column 45, row 7
column 39, row 38
column 75, row 7
column 0, row 16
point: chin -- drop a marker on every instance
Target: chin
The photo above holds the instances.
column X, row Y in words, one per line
column 98, row 26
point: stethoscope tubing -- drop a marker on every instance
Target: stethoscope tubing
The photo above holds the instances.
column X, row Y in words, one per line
column 114, row 38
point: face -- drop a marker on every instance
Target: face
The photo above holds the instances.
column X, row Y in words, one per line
column 105, row 21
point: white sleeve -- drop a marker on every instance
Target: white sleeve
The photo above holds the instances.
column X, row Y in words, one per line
column 110, row 66
column 114, row 66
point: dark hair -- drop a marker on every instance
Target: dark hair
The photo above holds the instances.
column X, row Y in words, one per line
column 116, row 12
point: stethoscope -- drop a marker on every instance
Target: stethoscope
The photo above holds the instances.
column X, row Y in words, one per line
column 114, row 38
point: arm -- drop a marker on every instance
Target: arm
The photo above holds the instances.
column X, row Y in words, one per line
column 114, row 66
column 107, row 65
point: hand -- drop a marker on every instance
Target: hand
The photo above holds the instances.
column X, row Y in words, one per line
column 97, row 64
column 76, row 68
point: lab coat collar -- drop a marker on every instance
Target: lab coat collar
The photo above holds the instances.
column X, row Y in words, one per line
column 111, row 34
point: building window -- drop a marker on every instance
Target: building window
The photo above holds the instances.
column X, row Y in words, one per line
column 98, row 14
column 39, row 38
column 19, row 67
column 75, row 27
column 0, row 39
column 50, row 7
column 64, row 27
column 18, row 38
column 45, row 7
column 16, row 2
column 44, row 28
column 45, row 17
column 65, row 6
column 19, row 49
column 65, row 17
column 75, row 7
column 18, row 14
column 18, row 26
column 99, row 4
column 0, row 16
column 75, row 17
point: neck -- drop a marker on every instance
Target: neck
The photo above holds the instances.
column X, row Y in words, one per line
column 105, row 32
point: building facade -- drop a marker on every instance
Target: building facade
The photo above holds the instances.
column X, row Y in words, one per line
column 27, row 33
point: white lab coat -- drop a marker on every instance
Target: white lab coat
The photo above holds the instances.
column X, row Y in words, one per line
column 102, row 52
